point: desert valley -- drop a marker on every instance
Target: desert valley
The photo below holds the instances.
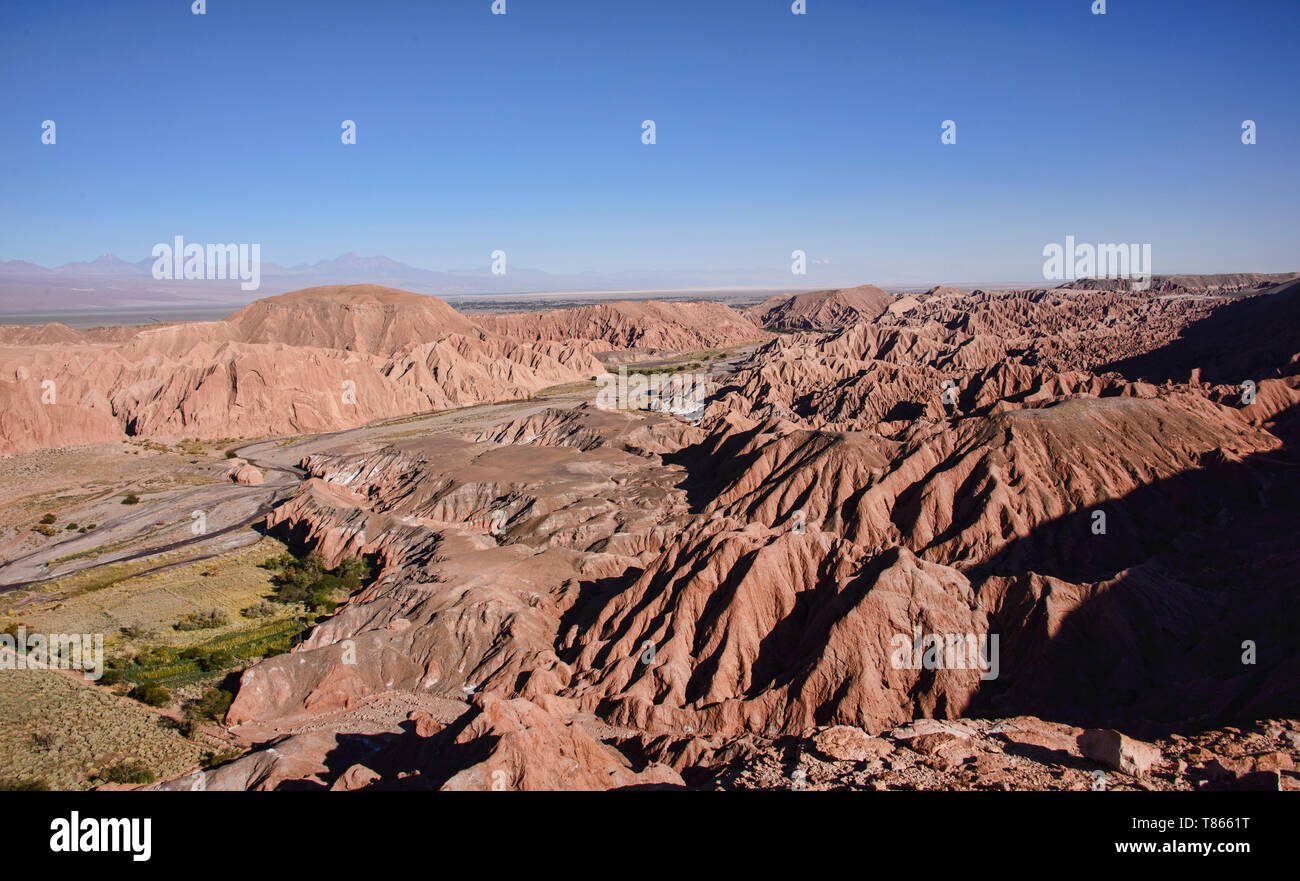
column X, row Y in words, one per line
column 349, row 537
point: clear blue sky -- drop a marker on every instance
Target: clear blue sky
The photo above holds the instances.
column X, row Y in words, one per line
column 775, row 132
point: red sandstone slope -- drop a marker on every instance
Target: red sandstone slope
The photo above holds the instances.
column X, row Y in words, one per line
column 642, row 324
column 317, row 360
column 314, row 360
column 739, row 621
column 361, row 318
column 776, row 611
column 821, row 309
column 1224, row 284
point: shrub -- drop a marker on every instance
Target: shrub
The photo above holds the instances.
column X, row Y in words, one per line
column 43, row 529
column 129, row 771
column 203, row 620
column 212, row 706
column 217, row 660
column 277, row 563
column 47, row 519
column 261, row 609
column 71, row 527
column 160, row 654
column 153, row 695
column 130, row 499
column 212, row 759
column 45, row 741
column 309, row 582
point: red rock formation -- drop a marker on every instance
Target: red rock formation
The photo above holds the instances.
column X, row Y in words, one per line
column 248, row 475
column 821, row 309
column 633, row 324
column 312, row 361
column 481, row 549
column 614, row 589
column 316, row 360
column 360, row 318
column 530, row 749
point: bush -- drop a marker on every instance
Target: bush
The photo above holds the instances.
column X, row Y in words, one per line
column 44, row 741
column 262, row 609
column 130, row 499
column 155, row 655
column 129, row 771
column 309, row 582
column 153, row 695
column 203, row 620
column 44, row 529
column 353, row 571
column 211, row 707
column 71, row 527
column 218, row 660
column 213, row 759
column 47, row 519
column 231, row 454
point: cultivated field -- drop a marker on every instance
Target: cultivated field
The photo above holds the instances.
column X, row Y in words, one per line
column 113, row 598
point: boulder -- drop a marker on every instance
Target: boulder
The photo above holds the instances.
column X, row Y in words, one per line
column 844, row 743
column 247, row 475
column 1118, row 751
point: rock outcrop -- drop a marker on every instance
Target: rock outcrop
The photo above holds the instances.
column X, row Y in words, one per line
column 632, row 324
column 821, row 310
column 247, row 475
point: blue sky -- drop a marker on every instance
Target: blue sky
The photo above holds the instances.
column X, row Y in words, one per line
column 774, row 132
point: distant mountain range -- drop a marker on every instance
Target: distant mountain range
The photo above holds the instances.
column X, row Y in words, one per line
column 109, row 282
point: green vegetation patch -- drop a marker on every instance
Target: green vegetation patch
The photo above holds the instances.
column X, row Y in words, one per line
column 306, row 580
column 170, row 668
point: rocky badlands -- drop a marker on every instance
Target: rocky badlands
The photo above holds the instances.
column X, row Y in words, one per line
column 1028, row 539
